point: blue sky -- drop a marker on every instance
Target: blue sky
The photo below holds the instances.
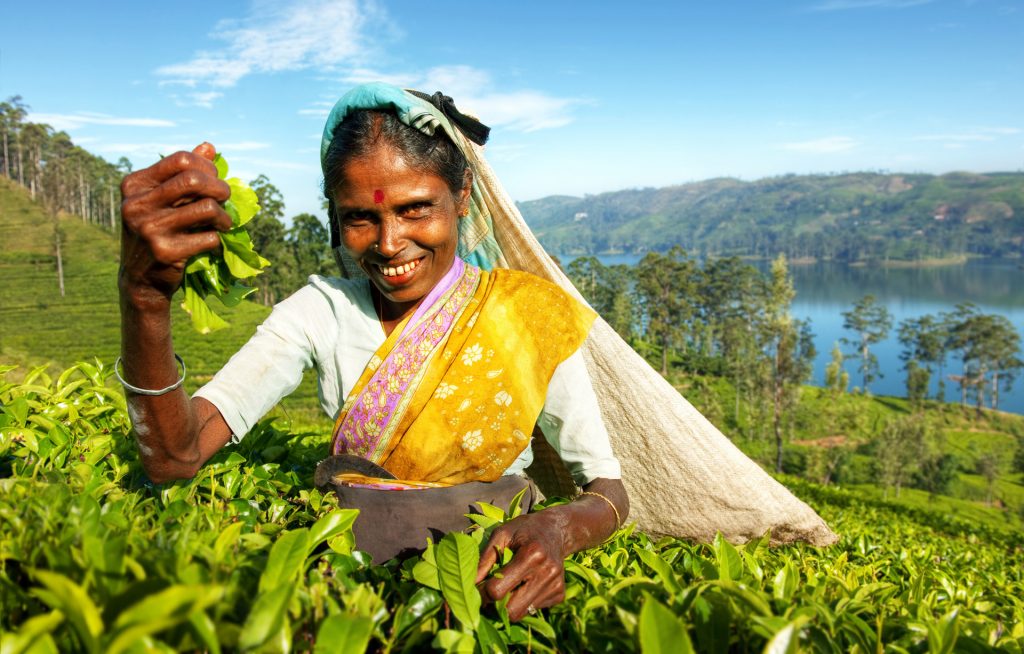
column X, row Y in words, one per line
column 584, row 97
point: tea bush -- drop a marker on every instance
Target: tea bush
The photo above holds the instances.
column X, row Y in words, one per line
column 246, row 557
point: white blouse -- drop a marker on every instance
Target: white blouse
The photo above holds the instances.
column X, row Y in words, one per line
column 331, row 324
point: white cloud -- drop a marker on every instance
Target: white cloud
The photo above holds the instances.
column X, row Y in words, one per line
column 77, row 120
column 204, row 98
column 473, row 91
column 827, row 145
column 841, row 5
column 277, row 37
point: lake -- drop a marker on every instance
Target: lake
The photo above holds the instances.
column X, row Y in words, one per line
column 825, row 290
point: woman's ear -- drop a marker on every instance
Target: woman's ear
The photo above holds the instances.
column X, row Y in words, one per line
column 465, row 192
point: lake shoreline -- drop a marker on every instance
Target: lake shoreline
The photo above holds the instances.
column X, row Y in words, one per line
column 932, row 262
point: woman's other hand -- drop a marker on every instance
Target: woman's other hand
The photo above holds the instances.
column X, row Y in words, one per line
column 541, row 541
column 536, row 574
column 170, row 212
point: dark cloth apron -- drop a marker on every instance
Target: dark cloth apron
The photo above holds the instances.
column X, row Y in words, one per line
column 398, row 523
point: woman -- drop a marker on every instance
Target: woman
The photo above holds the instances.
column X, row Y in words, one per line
column 444, row 367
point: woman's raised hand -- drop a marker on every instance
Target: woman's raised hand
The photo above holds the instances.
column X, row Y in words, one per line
column 170, row 212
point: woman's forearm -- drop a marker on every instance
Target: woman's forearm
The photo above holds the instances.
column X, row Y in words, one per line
column 590, row 519
column 165, row 425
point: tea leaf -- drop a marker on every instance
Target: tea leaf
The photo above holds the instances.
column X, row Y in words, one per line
column 343, row 633
column 457, row 558
column 661, row 631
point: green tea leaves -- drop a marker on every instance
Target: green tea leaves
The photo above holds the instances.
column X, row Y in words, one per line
column 457, row 558
column 212, row 275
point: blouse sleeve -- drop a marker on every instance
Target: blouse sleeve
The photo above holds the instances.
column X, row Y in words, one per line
column 571, row 422
column 270, row 365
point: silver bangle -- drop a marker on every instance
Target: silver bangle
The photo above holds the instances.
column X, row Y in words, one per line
column 146, row 391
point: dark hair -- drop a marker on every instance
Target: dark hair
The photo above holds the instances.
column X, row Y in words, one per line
column 366, row 129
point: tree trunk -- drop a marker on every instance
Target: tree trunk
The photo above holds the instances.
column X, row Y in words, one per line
column 980, row 384
column 664, row 357
column 864, row 364
column 60, row 259
column 995, row 390
column 777, row 413
column 110, row 196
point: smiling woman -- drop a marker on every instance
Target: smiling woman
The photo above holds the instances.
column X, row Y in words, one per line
column 447, row 368
column 437, row 370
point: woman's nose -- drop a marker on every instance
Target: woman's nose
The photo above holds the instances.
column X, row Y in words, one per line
column 391, row 239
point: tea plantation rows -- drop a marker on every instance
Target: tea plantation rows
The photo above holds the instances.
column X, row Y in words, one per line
column 246, row 557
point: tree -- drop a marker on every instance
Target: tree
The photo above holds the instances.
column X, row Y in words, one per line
column 989, row 345
column 730, row 300
column 310, row 243
column 897, row 449
column 837, row 380
column 788, row 348
column 872, row 322
column 666, row 285
column 268, row 235
column 936, row 473
column 607, row 289
column 987, row 465
column 924, row 343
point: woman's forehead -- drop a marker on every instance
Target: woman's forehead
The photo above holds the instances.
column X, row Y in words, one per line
column 384, row 176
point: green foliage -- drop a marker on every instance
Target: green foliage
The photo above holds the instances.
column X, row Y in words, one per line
column 246, row 557
column 220, row 275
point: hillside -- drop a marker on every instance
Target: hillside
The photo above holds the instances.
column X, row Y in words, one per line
column 39, row 327
column 850, row 217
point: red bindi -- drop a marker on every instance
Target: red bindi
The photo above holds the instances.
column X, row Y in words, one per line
column 378, row 196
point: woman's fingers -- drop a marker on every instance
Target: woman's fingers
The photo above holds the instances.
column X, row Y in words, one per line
column 205, row 150
column 499, row 541
column 149, row 178
column 173, row 251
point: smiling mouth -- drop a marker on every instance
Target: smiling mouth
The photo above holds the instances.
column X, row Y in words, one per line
column 395, row 271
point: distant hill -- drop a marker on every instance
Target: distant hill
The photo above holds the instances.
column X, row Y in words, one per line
column 851, row 217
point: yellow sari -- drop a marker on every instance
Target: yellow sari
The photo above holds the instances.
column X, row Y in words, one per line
column 454, row 397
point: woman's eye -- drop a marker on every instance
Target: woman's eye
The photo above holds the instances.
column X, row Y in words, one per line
column 418, row 210
column 356, row 218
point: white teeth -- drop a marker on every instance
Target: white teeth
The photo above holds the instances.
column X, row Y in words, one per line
column 392, row 271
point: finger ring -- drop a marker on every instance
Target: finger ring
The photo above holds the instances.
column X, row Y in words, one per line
column 531, row 609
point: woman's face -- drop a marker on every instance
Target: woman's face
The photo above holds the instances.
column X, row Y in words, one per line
column 400, row 224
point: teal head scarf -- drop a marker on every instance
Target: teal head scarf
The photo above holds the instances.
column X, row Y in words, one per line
column 476, row 235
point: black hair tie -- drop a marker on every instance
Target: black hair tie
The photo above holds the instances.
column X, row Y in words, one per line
column 472, row 128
